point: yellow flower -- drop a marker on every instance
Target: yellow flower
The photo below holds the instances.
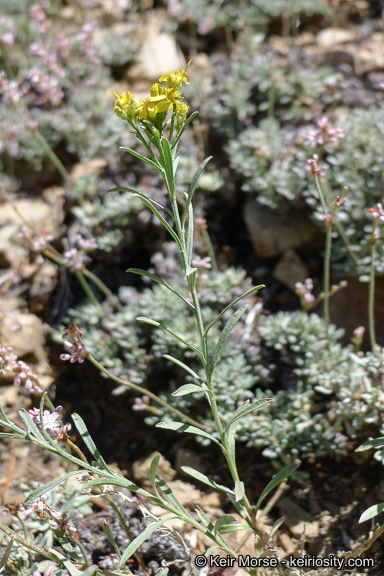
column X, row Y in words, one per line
column 176, row 79
column 173, row 95
column 125, row 105
column 157, row 90
column 124, row 100
column 181, row 110
column 146, row 110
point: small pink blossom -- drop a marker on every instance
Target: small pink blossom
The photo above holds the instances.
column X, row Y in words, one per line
column 86, row 244
column 326, row 134
column 141, row 403
column 304, row 291
column 75, row 259
column 39, row 506
column 7, row 39
column 377, row 212
column 51, row 422
column 77, row 350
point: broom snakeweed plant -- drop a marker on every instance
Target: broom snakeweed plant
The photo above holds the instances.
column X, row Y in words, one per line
column 149, row 123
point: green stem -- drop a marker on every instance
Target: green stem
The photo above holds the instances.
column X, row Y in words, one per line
column 28, row 544
column 327, row 265
column 145, row 392
column 54, row 159
column 123, row 525
column 371, row 296
column 210, row 250
column 86, row 287
column 100, row 284
column 79, row 544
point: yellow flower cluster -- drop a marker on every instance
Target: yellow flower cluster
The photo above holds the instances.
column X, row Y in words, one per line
column 161, row 99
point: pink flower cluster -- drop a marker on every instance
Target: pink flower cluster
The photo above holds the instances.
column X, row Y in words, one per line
column 56, row 519
column 9, row 89
column 38, row 244
column 7, row 31
column 76, row 259
column 326, row 134
column 37, row 13
column 377, row 212
column 77, row 351
column 49, row 60
column 304, row 291
column 42, row 89
column 313, row 167
column 23, row 373
column 51, row 422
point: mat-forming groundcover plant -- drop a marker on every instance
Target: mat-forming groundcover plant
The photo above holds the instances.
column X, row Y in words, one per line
column 158, row 122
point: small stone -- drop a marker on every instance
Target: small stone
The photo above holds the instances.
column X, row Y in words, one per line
column 36, row 213
column 297, row 519
column 290, row 269
column 272, row 233
column 25, row 334
column 141, row 470
column 332, row 36
column 83, row 169
column 186, row 493
column 149, row 65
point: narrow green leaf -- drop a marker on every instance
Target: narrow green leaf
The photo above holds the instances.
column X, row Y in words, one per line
column 47, row 487
column 203, row 478
column 375, row 443
column 160, row 218
column 140, row 194
column 87, row 439
column 371, row 512
column 160, row 281
column 180, row 133
column 5, row 556
column 189, row 270
column 245, row 409
column 66, row 545
column 204, row 519
column 210, row 550
column 255, row 289
column 141, row 157
column 234, row 528
column 225, row 335
column 276, row 480
column 153, row 470
column 110, row 537
column 171, row 332
column 148, row 321
column 231, row 445
column 224, row 521
column 185, row 367
column 162, row 572
column 190, row 235
column 134, row 545
column 181, row 427
column 193, row 188
column 187, row 389
column 30, row 424
column 124, row 483
column 168, row 164
column 168, row 492
column 242, row 512
column 73, row 571
column 10, row 435
column 239, row 490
